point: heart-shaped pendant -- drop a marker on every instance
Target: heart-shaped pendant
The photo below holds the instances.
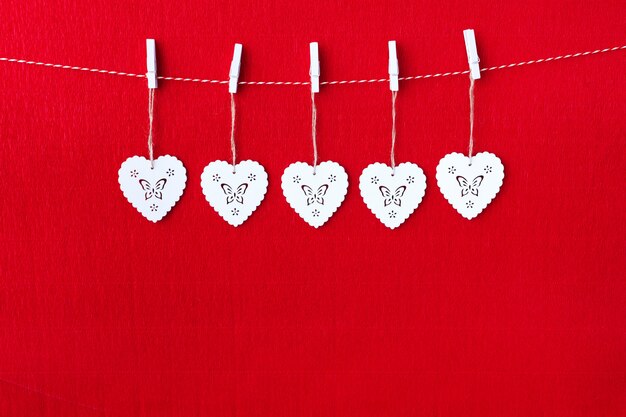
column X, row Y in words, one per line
column 469, row 188
column 234, row 194
column 392, row 196
column 315, row 194
column 152, row 190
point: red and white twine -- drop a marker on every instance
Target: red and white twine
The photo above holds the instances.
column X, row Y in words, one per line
column 377, row 80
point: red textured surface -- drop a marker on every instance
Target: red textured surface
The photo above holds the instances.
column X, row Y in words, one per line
column 519, row 312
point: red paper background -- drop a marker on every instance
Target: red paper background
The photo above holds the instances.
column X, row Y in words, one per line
column 519, row 312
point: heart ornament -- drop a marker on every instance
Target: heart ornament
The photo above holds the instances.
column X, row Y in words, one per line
column 469, row 188
column 315, row 194
column 234, row 194
column 392, row 195
column 152, row 189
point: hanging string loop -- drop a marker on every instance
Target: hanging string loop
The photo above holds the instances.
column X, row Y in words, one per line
column 150, row 126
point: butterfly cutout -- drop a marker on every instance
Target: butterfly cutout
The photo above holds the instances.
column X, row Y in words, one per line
column 467, row 188
column 315, row 197
column 236, row 195
column 392, row 198
column 153, row 191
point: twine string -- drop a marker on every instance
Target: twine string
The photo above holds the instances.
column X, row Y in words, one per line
column 314, row 130
column 341, row 82
column 470, row 150
column 233, row 149
column 393, row 132
column 150, row 123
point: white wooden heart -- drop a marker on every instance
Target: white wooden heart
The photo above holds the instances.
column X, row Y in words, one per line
column 152, row 190
column 234, row 195
column 392, row 196
column 315, row 196
column 470, row 188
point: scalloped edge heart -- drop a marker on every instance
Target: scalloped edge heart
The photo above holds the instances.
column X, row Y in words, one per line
column 157, row 161
column 494, row 186
column 306, row 166
column 205, row 181
column 420, row 195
